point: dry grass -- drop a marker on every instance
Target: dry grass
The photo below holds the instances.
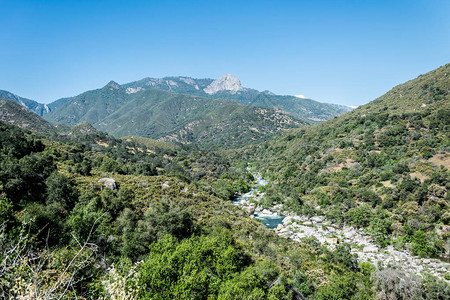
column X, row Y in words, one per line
column 348, row 163
column 388, row 184
column 441, row 160
column 102, row 144
column 419, row 176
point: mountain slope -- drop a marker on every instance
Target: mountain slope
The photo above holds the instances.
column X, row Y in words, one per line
column 38, row 108
column 83, row 128
column 384, row 166
column 229, row 87
column 170, row 116
column 91, row 106
column 19, row 115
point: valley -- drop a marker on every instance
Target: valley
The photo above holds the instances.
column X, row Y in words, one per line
column 225, row 150
column 175, row 192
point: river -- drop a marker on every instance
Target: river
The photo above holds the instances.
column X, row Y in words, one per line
column 269, row 219
column 297, row 227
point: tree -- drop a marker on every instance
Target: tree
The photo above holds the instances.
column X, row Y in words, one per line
column 420, row 244
column 60, row 191
column 192, row 268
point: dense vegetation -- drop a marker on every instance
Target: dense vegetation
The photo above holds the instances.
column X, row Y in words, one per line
column 85, row 215
column 165, row 231
column 158, row 114
column 383, row 167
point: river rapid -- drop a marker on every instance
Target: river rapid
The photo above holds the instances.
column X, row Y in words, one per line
column 267, row 217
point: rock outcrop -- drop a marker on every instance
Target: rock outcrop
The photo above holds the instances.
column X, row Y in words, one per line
column 225, row 83
column 109, row 183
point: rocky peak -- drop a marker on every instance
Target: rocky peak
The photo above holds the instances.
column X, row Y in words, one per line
column 112, row 85
column 225, row 83
column 267, row 92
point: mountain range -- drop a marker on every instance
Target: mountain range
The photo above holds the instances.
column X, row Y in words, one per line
column 226, row 87
column 16, row 114
column 182, row 109
column 229, row 87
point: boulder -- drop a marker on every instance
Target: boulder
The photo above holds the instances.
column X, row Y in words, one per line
column 287, row 220
column 370, row 249
column 348, row 233
column 283, row 230
column 277, row 207
column 109, row 183
column 318, row 219
column 332, row 241
column 266, row 212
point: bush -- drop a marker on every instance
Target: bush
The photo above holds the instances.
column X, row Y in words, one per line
column 359, row 216
column 420, row 244
column 160, row 219
column 393, row 284
column 255, row 282
column 342, row 255
column 193, row 268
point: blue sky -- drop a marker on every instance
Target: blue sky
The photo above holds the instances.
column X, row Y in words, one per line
column 346, row 52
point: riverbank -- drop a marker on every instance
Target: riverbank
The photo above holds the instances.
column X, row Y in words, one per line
column 296, row 227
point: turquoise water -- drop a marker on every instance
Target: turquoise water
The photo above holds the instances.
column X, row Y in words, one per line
column 270, row 221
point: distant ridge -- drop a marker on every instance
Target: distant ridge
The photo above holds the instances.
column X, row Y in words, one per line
column 38, row 108
column 173, row 117
column 16, row 114
column 230, row 87
column 225, row 87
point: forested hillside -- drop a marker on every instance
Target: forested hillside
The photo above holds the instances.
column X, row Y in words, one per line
column 383, row 167
column 158, row 114
column 88, row 216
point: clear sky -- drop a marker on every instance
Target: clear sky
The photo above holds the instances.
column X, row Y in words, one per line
column 346, row 52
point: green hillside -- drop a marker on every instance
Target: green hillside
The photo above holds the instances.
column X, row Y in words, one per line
column 91, row 106
column 19, row 115
column 303, row 109
column 161, row 228
column 383, row 167
column 174, row 117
